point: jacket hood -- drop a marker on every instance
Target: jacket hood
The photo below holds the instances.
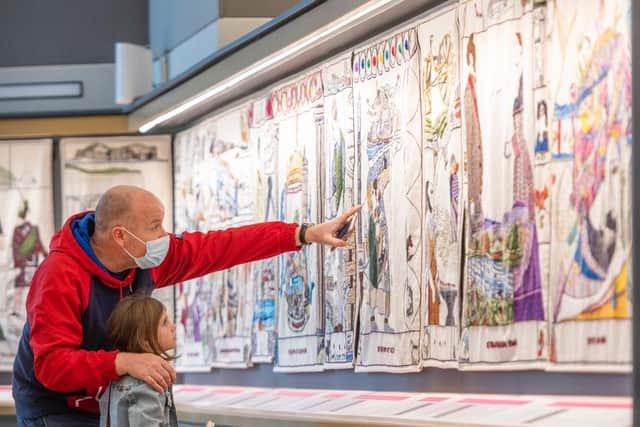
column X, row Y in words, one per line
column 64, row 242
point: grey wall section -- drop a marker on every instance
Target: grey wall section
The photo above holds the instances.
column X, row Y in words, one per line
column 36, row 32
column 429, row 380
column 172, row 22
column 98, row 81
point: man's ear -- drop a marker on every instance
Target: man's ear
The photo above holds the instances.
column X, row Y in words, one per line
column 118, row 235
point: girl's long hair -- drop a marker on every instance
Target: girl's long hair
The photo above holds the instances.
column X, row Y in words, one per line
column 133, row 325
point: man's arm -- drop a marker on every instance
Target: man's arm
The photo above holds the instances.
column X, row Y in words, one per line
column 196, row 254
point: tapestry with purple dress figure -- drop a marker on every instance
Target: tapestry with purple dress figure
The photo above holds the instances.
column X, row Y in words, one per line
column 503, row 317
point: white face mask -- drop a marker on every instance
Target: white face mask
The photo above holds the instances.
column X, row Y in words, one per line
column 156, row 251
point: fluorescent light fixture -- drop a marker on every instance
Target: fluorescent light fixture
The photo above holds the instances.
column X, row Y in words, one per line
column 341, row 24
column 26, row 91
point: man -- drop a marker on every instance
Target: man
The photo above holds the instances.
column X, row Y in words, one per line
column 64, row 359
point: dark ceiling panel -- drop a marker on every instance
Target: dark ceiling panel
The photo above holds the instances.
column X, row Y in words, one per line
column 59, row 32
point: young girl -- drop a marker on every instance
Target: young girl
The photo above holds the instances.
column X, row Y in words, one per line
column 139, row 324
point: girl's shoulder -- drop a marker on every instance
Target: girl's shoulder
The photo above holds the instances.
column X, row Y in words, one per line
column 127, row 382
column 134, row 391
column 141, row 403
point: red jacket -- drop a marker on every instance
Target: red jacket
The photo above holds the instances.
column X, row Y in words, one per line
column 64, row 353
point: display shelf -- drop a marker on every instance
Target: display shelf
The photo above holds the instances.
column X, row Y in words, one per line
column 241, row 406
column 265, row 407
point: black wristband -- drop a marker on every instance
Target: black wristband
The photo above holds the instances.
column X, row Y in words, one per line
column 303, row 231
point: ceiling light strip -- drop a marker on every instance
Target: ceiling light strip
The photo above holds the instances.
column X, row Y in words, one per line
column 371, row 8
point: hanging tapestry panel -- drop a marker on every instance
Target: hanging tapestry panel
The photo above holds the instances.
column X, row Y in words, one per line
column 233, row 314
column 590, row 199
column 26, row 228
column 339, row 167
column 442, row 187
column 213, row 190
column 503, row 319
column 298, row 111
column 389, row 149
column 263, row 141
column 90, row 166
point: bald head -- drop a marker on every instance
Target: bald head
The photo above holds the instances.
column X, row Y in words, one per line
column 123, row 204
column 126, row 218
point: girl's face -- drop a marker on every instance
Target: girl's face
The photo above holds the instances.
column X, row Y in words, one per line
column 166, row 333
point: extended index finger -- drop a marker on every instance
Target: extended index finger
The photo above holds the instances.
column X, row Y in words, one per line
column 346, row 214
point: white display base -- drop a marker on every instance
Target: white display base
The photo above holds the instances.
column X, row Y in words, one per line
column 307, row 407
column 251, row 406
